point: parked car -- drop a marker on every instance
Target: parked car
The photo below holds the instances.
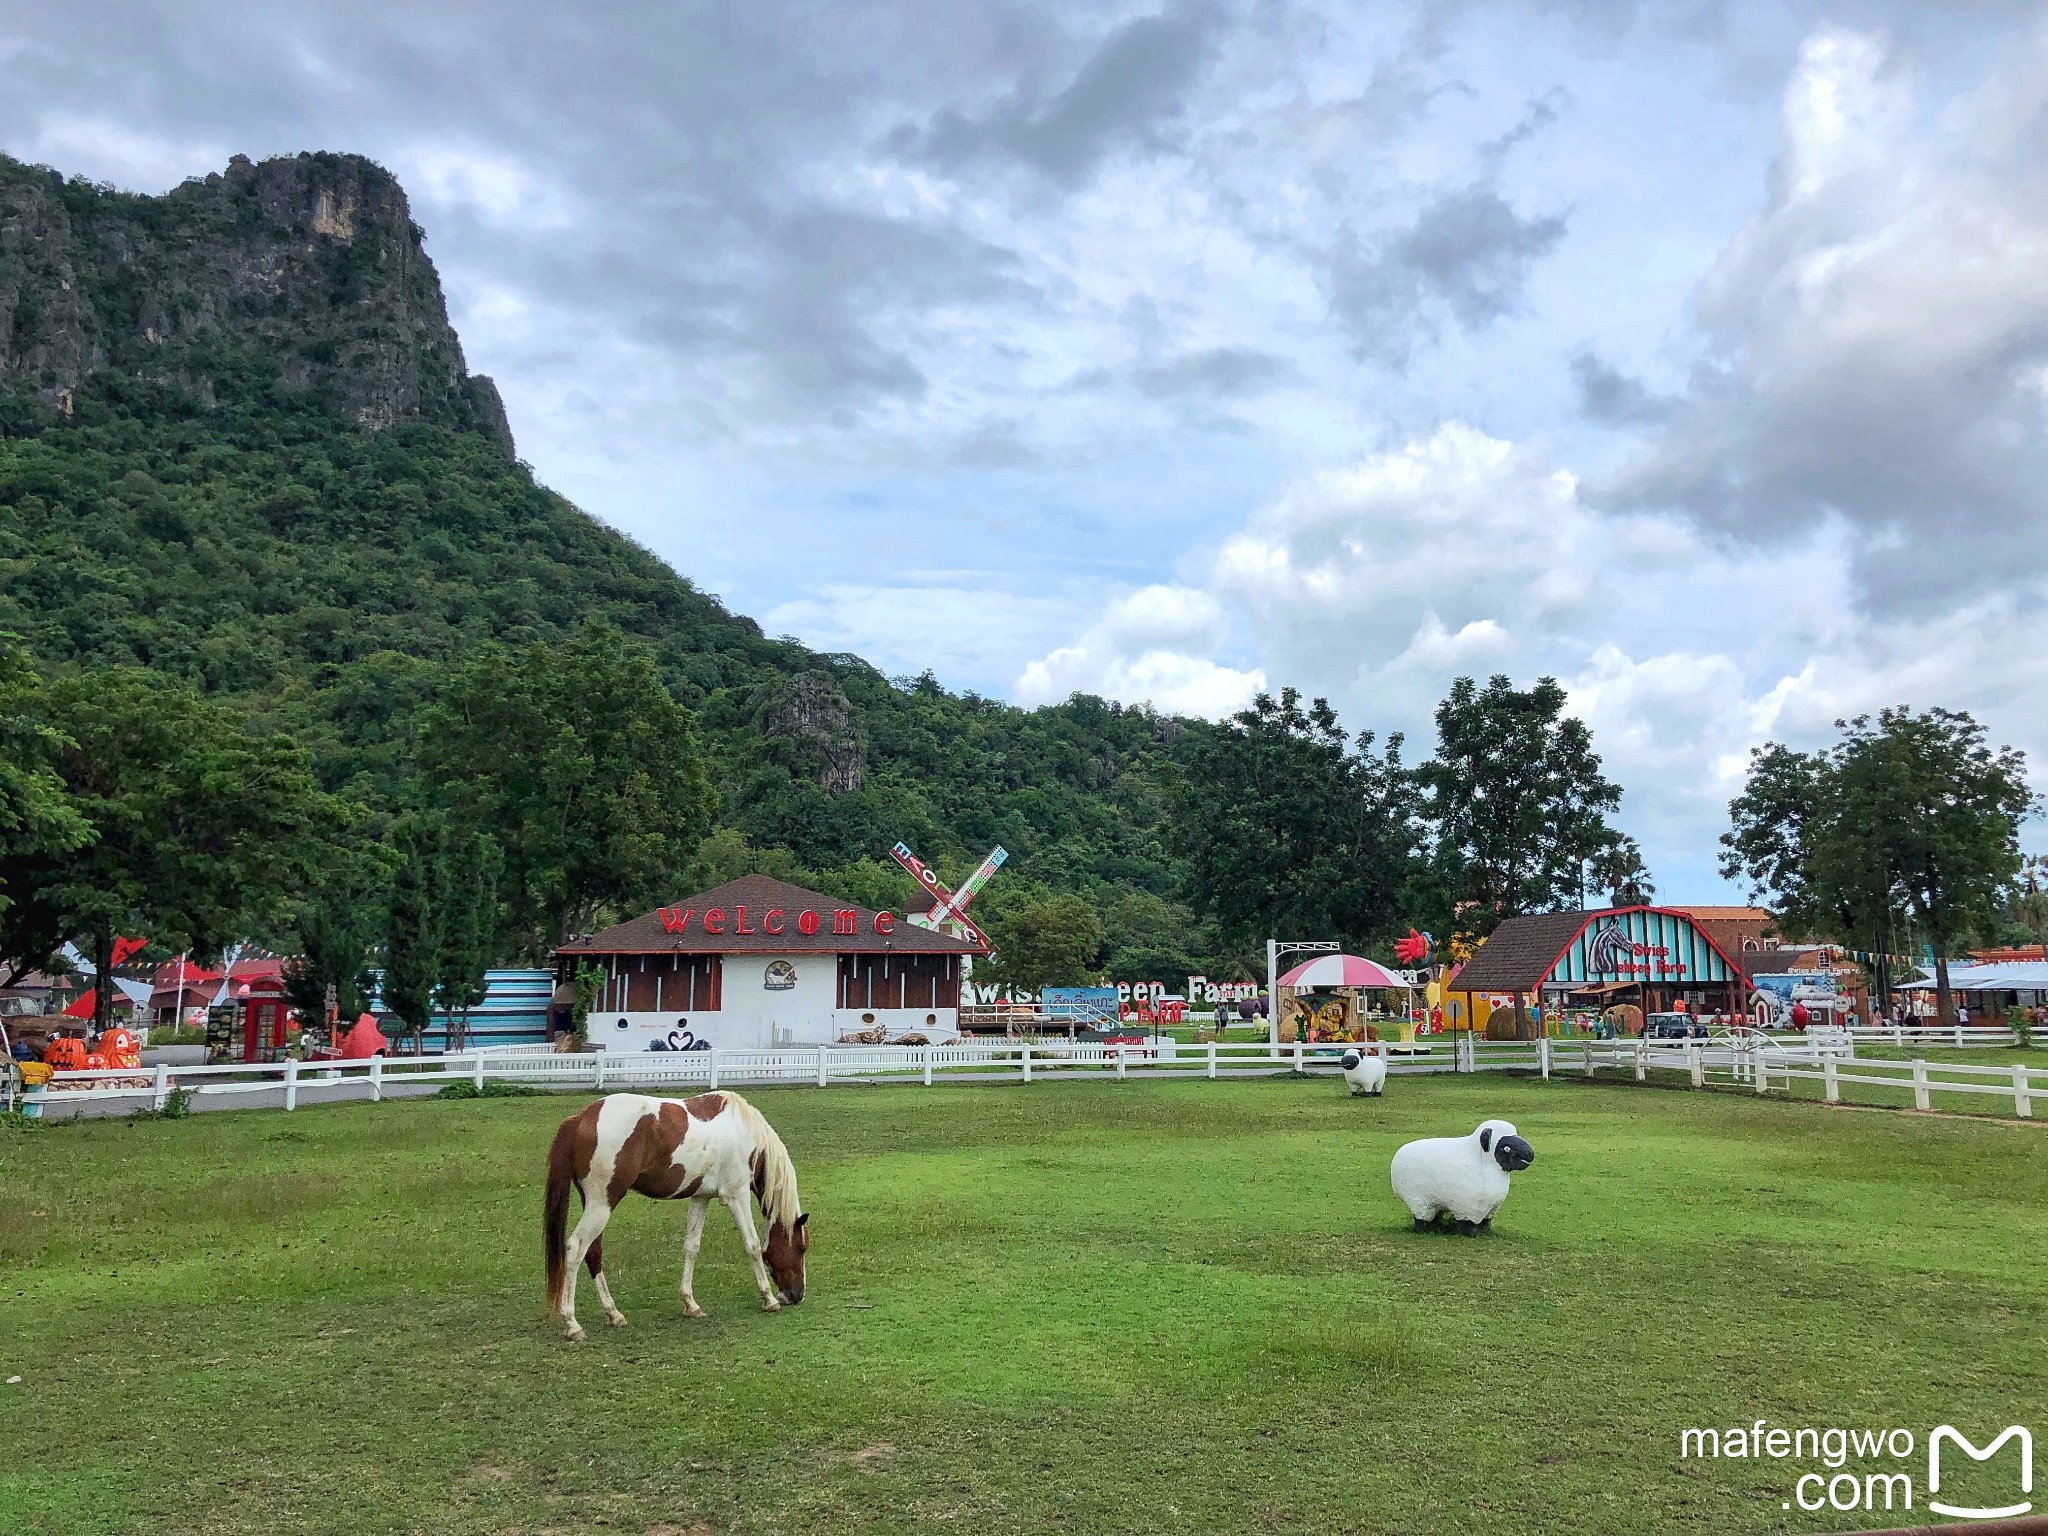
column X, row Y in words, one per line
column 1673, row 1026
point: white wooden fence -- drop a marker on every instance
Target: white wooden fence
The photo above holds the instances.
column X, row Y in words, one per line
column 1751, row 1059
column 1764, row 1063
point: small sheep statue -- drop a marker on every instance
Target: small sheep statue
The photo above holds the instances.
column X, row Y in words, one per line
column 1463, row 1177
column 1365, row 1071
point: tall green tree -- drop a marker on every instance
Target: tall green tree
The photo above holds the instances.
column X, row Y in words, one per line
column 1043, row 940
column 466, row 891
column 1518, row 805
column 334, row 931
column 203, row 830
column 1286, row 828
column 1909, row 822
column 584, row 770
column 38, row 822
column 412, row 933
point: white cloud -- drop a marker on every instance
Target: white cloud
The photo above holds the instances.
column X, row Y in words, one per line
column 1876, row 336
column 1156, row 645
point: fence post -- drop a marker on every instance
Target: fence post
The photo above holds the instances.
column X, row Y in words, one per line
column 1123, row 1052
column 927, row 1066
column 476, row 1070
column 1297, row 1056
column 1212, row 1058
column 1642, row 1063
column 163, row 1086
column 1760, row 1071
column 2022, row 1102
column 1024, row 1059
column 291, row 1082
column 376, row 1079
column 822, row 1069
column 1920, row 1100
column 597, row 1073
column 1829, row 1074
column 1695, row 1064
column 1587, row 1047
column 1959, row 1034
column 1543, row 1056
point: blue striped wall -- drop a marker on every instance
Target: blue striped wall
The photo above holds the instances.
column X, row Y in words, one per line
column 1686, row 958
column 514, row 1012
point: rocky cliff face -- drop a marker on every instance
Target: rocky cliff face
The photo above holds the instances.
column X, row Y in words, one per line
column 304, row 274
column 813, row 717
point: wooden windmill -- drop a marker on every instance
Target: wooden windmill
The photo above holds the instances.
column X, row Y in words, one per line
column 948, row 912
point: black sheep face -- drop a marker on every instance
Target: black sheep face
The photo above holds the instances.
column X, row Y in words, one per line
column 1351, row 1061
column 1510, row 1151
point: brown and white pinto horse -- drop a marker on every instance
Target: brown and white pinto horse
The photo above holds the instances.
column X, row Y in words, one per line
column 716, row 1146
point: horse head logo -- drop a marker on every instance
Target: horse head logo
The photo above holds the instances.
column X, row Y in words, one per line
column 1609, row 949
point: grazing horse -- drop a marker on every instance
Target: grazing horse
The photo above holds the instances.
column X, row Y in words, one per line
column 716, row 1146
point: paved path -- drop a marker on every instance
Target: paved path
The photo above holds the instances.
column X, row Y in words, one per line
column 313, row 1093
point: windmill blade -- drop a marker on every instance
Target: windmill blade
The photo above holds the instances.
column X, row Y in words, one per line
column 935, row 887
column 963, row 898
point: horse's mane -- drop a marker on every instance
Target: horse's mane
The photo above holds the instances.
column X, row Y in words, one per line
column 779, row 1202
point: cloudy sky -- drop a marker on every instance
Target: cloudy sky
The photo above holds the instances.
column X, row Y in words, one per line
column 1694, row 354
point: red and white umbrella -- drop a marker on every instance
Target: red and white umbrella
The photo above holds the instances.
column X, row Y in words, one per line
column 1340, row 971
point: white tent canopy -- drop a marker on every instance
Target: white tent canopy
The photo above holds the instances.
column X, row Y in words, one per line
column 1990, row 976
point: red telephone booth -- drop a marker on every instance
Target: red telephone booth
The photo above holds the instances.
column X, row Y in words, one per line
column 264, row 1011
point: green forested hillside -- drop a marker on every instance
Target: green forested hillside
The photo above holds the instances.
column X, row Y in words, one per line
column 281, row 524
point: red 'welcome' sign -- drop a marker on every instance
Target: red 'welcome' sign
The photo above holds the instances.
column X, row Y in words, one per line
column 713, row 920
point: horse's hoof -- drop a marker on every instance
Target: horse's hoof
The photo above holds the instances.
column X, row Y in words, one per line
column 573, row 1333
column 771, row 1305
column 617, row 1319
column 693, row 1310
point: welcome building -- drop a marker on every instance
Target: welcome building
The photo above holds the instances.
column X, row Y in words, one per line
column 757, row 963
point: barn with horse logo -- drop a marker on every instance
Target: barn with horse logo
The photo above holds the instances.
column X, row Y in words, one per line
column 757, row 963
column 1649, row 958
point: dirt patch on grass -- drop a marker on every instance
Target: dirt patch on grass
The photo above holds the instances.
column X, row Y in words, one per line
column 260, row 1198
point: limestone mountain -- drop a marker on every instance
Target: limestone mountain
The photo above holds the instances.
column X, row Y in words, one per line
column 310, row 265
column 239, row 445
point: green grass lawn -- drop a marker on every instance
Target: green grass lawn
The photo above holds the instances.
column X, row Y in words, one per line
column 1159, row 1307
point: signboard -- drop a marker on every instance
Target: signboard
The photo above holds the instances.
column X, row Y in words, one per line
column 1091, row 1004
column 1661, row 947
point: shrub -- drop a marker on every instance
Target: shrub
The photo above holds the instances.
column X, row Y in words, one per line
column 490, row 1090
column 177, row 1105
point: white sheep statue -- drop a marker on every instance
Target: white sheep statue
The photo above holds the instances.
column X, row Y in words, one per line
column 1463, row 1177
column 1365, row 1070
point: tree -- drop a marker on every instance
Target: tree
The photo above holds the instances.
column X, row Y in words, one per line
column 1286, row 829
column 1621, row 873
column 202, row 830
column 412, row 934
column 2030, row 898
column 1518, row 804
column 333, row 932
column 38, row 822
column 583, row 769
column 1911, row 819
column 1045, row 941
column 466, row 892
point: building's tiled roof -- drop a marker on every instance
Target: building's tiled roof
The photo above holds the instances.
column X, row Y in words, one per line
column 759, row 895
column 1520, row 953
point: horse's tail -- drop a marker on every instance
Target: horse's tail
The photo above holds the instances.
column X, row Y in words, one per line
column 554, row 1221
